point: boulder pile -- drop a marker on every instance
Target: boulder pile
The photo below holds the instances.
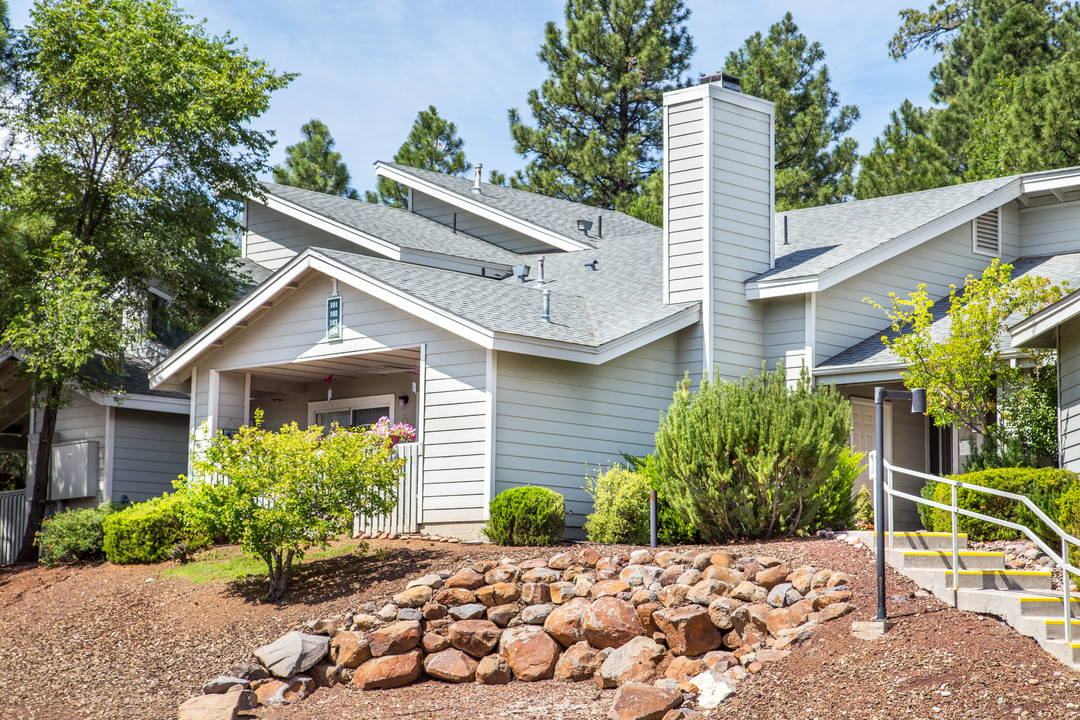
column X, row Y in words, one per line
column 668, row 629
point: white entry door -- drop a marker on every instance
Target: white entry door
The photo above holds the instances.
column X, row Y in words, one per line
column 862, row 435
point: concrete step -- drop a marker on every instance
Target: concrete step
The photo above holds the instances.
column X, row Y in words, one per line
column 940, row 582
column 1055, row 629
column 942, row 559
column 913, row 540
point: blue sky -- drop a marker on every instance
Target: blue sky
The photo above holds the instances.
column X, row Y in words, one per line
column 368, row 67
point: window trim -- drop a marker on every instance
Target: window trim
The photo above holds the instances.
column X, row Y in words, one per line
column 353, row 403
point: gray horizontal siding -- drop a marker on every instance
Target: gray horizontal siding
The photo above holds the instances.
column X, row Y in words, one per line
column 82, row 419
column 150, row 452
column 684, row 201
column 1069, row 394
column 556, row 420
column 495, row 233
column 1050, row 229
column 786, row 332
column 273, row 238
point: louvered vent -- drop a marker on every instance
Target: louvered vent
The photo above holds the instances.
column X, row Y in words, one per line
column 987, row 233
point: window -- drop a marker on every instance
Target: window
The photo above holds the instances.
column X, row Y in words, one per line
column 986, row 233
column 161, row 327
column 360, row 412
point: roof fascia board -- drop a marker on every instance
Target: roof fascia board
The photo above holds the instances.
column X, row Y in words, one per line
column 764, row 289
column 891, row 248
column 1049, row 182
column 715, row 90
column 361, row 238
column 1036, row 328
column 485, row 211
column 155, row 403
column 418, row 257
column 848, row 374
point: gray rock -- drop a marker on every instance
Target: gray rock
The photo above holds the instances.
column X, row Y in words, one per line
column 778, row 595
column 793, row 596
column 410, row 614
column 368, row 607
column 536, row 614
column 221, row 685
column 472, row 611
column 293, row 653
column 226, row 706
column 433, row 581
column 248, row 671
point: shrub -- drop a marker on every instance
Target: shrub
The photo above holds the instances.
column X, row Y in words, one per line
column 1044, row 487
column 1069, row 518
column 73, row 534
column 287, row 491
column 835, row 501
column 526, row 516
column 750, row 459
column 145, row 532
column 621, row 506
column 926, row 513
column 864, row 508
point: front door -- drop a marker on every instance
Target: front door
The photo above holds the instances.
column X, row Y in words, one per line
column 862, row 436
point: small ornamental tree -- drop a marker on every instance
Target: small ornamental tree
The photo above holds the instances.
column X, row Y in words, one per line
column 751, row 458
column 280, row 493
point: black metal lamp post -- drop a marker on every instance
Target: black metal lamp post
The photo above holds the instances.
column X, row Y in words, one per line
column 918, row 405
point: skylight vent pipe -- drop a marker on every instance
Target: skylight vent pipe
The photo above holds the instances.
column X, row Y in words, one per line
column 785, row 230
column 540, row 278
column 600, row 226
column 476, row 178
column 546, row 312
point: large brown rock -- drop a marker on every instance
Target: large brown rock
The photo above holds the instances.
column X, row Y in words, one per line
column 635, row 661
column 683, row 667
column 395, row 638
column 835, row 611
column 644, row 616
column 606, row 588
column 670, row 574
column 503, row 615
column 454, row 597
column 800, row 578
column 498, row 594
column 688, row 630
column 564, row 622
column 749, row 592
column 388, row 671
column 561, row 561
column 225, row 706
column 706, row 591
column 535, row 594
column 722, row 558
column 450, row 665
column 579, row 663
column 752, row 618
column 285, row 692
column 466, row 578
column 493, row 670
column 541, row 575
column 728, row 575
column 720, row 611
column 476, row 637
column 433, row 643
column 349, row 649
column 772, row 576
column 531, row 652
column 413, row 597
column 638, row 701
column 502, row 574
column 673, row 595
column 610, row 622
column 589, row 557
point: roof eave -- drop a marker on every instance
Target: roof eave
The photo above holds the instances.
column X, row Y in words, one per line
column 338, row 229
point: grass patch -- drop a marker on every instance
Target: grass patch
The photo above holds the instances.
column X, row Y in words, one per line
column 230, row 564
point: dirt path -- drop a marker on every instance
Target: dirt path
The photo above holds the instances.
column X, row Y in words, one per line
column 125, row 642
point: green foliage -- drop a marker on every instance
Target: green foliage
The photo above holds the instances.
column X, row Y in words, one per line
column 145, row 532
column 12, row 469
column 836, row 502
column 1068, row 518
column 433, row 144
column 1045, row 488
column 73, row 534
column 750, row 459
column 673, row 527
column 926, row 513
column 1029, row 437
column 814, row 160
column 280, row 493
column 905, row 158
column 962, row 372
column 864, row 508
column 648, row 205
column 526, row 516
column 598, row 121
column 312, row 164
column 621, row 506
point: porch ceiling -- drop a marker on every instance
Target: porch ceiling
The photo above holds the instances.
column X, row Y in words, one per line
column 351, row 366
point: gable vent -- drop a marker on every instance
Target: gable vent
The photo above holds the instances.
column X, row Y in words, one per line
column 986, row 233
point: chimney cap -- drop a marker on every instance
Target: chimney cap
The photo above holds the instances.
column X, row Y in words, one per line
column 727, row 81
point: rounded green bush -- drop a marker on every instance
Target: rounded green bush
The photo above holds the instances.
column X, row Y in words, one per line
column 526, row 516
column 145, row 532
column 621, row 507
column 1069, row 518
column 1046, row 487
column 73, row 534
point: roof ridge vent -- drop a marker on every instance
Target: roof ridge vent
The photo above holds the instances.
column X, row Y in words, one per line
column 476, row 178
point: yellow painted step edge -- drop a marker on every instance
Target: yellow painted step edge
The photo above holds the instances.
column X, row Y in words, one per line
column 1062, row 622
column 1075, row 599
column 948, row 553
column 921, row 534
column 1006, row 572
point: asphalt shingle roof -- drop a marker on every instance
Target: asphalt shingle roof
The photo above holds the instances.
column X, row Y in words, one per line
column 821, row 238
column 398, row 227
column 558, row 216
column 1064, row 268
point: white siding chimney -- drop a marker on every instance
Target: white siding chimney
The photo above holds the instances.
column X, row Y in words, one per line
column 718, row 223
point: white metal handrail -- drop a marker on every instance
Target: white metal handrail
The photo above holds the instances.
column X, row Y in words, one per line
column 955, row 511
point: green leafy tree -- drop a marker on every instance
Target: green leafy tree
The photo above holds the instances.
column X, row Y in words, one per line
column 649, row 204
column 137, row 124
column 598, row 122
column 750, row 459
column 281, row 493
column 313, row 164
column 905, row 158
column 433, row 144
column 814, row 160
column 962, row 372
column 978, row 40
column 1031, row 122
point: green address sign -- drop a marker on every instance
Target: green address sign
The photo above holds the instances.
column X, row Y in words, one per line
column 333, row 318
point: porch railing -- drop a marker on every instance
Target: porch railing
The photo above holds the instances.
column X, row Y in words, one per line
column 405, row 517
column 1062, row 560
column 12, row 523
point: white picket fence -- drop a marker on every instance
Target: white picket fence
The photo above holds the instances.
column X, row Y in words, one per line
column 12, row 523
column 405, row 517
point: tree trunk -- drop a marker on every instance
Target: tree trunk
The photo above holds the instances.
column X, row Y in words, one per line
column 279, row 574
column 28, row 550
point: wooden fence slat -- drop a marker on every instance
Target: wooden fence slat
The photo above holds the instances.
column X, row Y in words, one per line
column 403, row 518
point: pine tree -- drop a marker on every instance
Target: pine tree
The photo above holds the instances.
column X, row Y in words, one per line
column 598, row 130
column 433, row 144
column 980, row 40
column 312, row 163
column 905, row 158
column 814, row 161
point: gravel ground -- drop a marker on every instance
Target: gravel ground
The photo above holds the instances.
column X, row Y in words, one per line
column 124, row 642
